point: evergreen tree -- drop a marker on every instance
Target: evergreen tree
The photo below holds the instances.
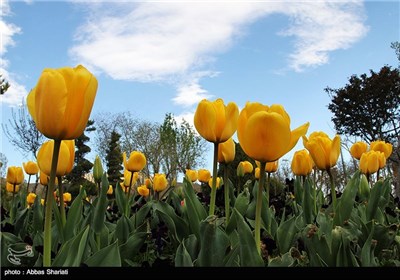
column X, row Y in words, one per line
column 82, row 165
column 114, row 159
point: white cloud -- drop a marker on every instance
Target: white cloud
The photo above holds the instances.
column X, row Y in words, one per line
column 16, row 92
column 169, row 41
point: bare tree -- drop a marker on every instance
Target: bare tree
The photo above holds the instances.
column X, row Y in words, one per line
column 3, row 165
column 22, row 132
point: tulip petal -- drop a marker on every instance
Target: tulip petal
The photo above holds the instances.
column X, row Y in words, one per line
column 296, row 134
column 317, row 153
column 266, row 136
column 335, row 151
column 205, row 120
column 231, row 122
column 50, row 99
column 30, row 102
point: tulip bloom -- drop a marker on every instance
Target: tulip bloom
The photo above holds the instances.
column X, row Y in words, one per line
column 30, row 167
column 302, row 163
column 160, row 182
column 214, row 121
column 12, row 188
column 271, row 167
column 357, row 149
column 30, row 198
column 257, row 173
column 226, row 151
column 372, row 161
column 383, row 147
column 135, row 162
column 219, row 182
column 110, row 190
column 15, row 175
column 66, row 157
column 264, row 132
column 324, row 151
column 204, row 175
column 191, row 174
column 67, row 197
column 129, row 179
column 61, row 102
column 143, row 190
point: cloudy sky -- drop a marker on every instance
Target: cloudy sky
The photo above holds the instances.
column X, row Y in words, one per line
column 158, row 57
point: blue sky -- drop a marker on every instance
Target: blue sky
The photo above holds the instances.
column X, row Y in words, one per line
column 153, row 58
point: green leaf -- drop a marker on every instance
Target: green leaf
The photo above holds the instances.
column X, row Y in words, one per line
column 285, row 235
column 346, row 201
column 182, row 257
column 107, row 257
column 242, row 202
column 37, row 215
column 298, row 191
column 178, row 226
column 192, row 246
column 308, row 202
column 57, row 220
column 71, row 252
column 213, row 243
column 367, row 253
column 373, row 202
column 120, row 198
column 131, row 247
column 123, row 229
column 195, row 210
column 101, row 206
column 138, row 218
column 248, row 251
column 285, row 261
column 74, row 216
column 232, row 259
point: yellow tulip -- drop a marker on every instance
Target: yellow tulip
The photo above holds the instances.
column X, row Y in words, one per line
column 66, row 157
column 67, row 197
column 226, row 151
column 43, row 178
column 127, row 178
column 214, row 121
column 264, row 132
column 42, row 201
column 204, row 175
column 257, row 173
column 10, row 188
column 124, row 188
column 383, row 147
column 191, row 174
column 271, row 167
column 61, row 102
column 357, row 149
column 135, row 162
column 15, row 175
column 302, row 163
column 30, row 198
column 143, row 190
column 110, row 190
column 244, row 167
column 372, row 161
column 218, row 183
column 147, row 182
column 324, row 151
column 160, row 182
column 30, row 167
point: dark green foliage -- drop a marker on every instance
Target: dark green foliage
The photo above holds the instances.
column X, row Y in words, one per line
column 114, row 159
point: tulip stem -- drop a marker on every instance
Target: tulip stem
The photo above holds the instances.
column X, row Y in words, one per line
column 257, row 230
column 48, row 210
column 214, row 181
column 128, row 195
column 226, row 194
column 12, row 212
column 333, row 189
column 62, row 208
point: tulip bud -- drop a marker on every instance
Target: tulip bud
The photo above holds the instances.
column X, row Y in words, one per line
column 97, row 170
column 30, row 198
column 143, row 190
column 363, row 188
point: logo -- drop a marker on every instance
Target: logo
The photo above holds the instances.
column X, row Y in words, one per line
column 14, row 255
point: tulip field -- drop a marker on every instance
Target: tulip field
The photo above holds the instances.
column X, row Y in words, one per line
column 208, row 220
